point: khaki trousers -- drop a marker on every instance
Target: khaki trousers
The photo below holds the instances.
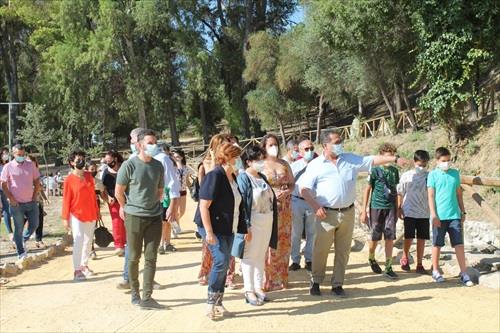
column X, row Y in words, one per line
column 336, row 229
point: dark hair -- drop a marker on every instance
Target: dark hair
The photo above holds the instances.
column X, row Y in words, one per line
column 74, row 154
column 387, row 148
column 266, row 137
column 442, row 151
column 181, row 153
column 421, row 156
column 90, row 163
column 326, row 135
column 235, row 138
column 115, row 155
column 144, row 133
column 252, row 153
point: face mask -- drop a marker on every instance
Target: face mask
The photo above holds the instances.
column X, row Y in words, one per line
column 20, row 159
column 295, row 155
column 308, row 156
column 151, row 150
column 112, row 164
column 258, row 166
column 133, row 148
column 419, row 169
column 94, row 173
column 239, row 164
column 80, row 164
column 272, row 151
column 5, row 157
column 338, row 149
column 444, row 165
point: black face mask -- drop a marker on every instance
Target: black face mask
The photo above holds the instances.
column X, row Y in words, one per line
column 80, row 164
column 112, row 164
column 94, row 173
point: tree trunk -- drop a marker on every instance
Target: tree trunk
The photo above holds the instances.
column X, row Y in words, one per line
column 249, row 4
column 320, row 115
column 9, row 59
column 387, row 102
column 282, row 131
column 397, row 97
column 172, row 123
column 360, row 107
column 492, row 103
column 474, row 112
column 204, row 123
column 408, row 106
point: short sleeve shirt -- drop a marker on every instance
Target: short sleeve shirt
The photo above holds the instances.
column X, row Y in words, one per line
column 334, row 185
column 413, row 188
column 445, row 185
column 19, row 178
column 391, row 176
column 143, row 181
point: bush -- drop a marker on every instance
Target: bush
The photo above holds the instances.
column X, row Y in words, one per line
column 472, row 148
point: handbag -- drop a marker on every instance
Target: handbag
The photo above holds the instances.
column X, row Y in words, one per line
column 102, row 235
column 238, row 246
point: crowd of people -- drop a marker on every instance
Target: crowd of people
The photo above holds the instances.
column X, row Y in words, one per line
column 256, row 205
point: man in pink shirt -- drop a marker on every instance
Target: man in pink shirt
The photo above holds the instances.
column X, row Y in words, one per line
column 21, row 183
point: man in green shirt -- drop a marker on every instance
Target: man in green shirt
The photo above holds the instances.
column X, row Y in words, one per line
column 383, row 210
column 142, row 178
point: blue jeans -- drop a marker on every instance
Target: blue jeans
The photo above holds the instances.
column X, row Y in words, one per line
column 6, row 212
column 125, row 265
column 221, row 254
column 454, row 228
column 30, row 210
column 302, row 216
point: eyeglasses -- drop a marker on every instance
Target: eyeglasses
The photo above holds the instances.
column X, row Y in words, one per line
column 309, row 149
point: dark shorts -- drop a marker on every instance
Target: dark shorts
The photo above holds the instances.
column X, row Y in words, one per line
column 383, row 222
column 453, row 228
column 164, row 214
column 421, row 226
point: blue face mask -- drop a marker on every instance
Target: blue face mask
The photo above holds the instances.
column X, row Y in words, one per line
column 338, row 149
column 151, row 150
column 308, row 156
column 295, row 155
column 133, row 148
column 20, row 159
column 238, row 164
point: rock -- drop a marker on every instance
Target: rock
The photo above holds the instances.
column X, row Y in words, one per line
column 474, row 274
column 51, row 251
column 445, row 257
column 428, row 256
column 398, row 257
column 22, row 264
column 491, row 280
column 483, row 266
column 357, row 245
column 10, row 269
column 490, row 249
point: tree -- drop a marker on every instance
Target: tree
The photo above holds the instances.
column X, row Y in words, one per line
column 36, row 131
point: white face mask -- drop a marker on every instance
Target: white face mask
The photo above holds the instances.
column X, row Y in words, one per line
column 419, row 169
column 272, row 151
column 258, row 166
column 444, row 165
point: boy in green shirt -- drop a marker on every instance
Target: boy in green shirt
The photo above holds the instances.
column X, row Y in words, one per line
column 383, row 210
column 447, row 213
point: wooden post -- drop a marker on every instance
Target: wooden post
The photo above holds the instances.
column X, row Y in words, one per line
column 481, row 203
column 477, row 180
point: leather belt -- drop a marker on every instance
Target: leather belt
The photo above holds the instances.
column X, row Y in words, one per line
column 339, row 209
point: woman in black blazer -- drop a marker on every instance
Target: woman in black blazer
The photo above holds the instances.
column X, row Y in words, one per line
column 219, row 216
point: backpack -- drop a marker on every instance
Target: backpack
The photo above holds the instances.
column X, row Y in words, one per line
column 194, row 189
column 390, row 192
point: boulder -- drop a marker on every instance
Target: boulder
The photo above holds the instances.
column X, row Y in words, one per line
column 474, row 274
column 491, row 280
column 398, row 257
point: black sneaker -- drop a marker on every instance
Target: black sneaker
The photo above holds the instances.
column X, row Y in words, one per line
column 151, row 304
column 314, row 289
column 136, row 298
column 294, row 267
column 338, row 291
column 308, row 266
column 170, row 248
column 390, row 273
column 375, row 267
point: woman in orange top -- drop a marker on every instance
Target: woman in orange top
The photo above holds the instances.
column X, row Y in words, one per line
column 80, row 212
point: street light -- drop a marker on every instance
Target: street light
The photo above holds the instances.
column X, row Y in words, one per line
column 10, row 120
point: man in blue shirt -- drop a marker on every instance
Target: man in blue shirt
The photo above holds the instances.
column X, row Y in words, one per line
column 329, row 187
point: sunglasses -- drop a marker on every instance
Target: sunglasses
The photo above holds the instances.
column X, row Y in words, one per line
column 309, row 149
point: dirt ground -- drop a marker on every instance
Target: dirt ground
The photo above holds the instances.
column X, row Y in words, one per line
column 46, row 300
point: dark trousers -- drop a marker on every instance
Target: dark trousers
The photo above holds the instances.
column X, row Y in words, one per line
column 142, row 231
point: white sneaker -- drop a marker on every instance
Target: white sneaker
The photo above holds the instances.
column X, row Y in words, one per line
column 176, row 228
column 87, row 271
column 25, row 247
column 23, row 256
